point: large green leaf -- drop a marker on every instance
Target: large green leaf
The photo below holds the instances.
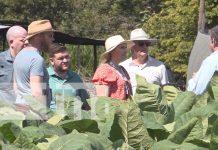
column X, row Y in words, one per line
column 211, row 109
column 147, row 96
column 120, row 145
column 183, row 103
column 166, row 106
column 155, row 128
column 169, row 93
column 187, row 131
column 50, row 130
column 131, row 124
column 39, row 111
column 213, row 89
column 9, row 131
column 79, row 141
column 189, row 127
column 168, row 145
column 68, row 105
column 153, row 120
column 103, row 111
column 9, row 147
column 214, row 136
column 28, row 137
column 84, row 125
column 44, row 145
column 212, row 92
column 55, row 119
column 8, row 114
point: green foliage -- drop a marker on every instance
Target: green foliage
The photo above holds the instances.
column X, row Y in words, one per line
column 172, row 22
column 190, row 123
column 148, row 96
column 88, row 125
column 91, row 19
column 133, row 130
column 158, row 118
column 76, row 140
column 175, row 27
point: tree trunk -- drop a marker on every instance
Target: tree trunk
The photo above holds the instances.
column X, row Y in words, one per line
column 201, row 19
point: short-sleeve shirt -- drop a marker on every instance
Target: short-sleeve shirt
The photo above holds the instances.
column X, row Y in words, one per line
column 154, row 71
column 108, row 75
column 198, row 84
column 71, row 86
column 29, row 63
column 6, row 76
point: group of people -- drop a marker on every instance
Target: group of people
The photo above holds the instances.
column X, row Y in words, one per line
column 23, row 71
column 116, row 76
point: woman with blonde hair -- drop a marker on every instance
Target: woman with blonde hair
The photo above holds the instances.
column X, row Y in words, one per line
column 111, row 79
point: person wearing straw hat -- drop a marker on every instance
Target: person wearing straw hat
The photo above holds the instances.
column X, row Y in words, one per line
column 30, row 74
column 15, row 37
column 153, row 70
column 111, row 79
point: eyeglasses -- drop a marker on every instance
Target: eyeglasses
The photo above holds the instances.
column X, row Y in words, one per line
column 62, row 58
column 142, row 43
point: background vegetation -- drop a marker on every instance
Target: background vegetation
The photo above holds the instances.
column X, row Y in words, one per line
column 172, row 22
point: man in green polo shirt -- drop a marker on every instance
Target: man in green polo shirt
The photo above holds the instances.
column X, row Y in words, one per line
column 64, row 82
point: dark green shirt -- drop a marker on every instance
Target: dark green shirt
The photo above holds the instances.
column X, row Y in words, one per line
column 71, row 86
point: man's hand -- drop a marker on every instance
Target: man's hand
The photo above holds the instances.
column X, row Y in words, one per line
column 22, row 108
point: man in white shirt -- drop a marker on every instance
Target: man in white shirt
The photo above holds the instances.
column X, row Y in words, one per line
column 200, row 81
column 153, row 70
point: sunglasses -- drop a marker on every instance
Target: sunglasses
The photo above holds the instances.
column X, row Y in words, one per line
column 142, row 43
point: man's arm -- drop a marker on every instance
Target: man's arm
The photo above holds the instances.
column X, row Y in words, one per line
column 199, row 83
column 36, row 85
column 102, row 90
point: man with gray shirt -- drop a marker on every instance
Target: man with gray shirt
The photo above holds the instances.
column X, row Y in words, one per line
column 15, row 37
column 31, row 76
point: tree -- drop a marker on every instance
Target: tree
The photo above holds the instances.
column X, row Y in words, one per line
column 175, row 26
column 93, row 19
column 201, row 20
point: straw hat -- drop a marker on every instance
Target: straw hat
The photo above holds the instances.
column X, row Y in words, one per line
column 37, row 27
column 140, row 35
column 112, row 42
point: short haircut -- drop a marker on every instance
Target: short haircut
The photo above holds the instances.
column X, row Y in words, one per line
column 214, row 34
column 14, row 32
column 56, row 48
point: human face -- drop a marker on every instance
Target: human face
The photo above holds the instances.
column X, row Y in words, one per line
column 61, row 61
column 141, row 49
column 17, row 43
column 47, row 39
column 119, row 53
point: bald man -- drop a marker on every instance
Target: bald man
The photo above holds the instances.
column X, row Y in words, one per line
column 15, row 38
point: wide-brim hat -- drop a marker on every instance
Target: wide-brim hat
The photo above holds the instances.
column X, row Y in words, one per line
column 140, row 35
column 112, row 42
column 39, row 26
